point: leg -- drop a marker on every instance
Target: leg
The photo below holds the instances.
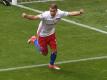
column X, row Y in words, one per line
column 53, row 57
column 40, row 44
column 43, row 45
column 53, row 46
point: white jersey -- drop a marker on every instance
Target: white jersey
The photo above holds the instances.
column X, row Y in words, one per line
column 47, row 24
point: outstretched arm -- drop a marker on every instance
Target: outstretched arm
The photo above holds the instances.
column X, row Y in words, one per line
column 76, row 13
column 30, row 17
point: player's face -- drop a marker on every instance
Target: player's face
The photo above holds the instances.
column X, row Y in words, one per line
column 53, row 12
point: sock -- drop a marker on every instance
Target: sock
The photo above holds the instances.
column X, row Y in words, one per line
column 52, row 58
column 37, row 44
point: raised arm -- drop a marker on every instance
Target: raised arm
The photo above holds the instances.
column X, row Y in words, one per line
column 76, row 13
column 30, row 17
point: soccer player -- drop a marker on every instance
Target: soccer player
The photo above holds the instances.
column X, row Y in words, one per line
column 46, row 31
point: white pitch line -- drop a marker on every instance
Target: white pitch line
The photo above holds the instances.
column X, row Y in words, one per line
column 67, row 20
column 61, row 62
column 105, row 26
column 39, row 1
column 85, row 26
column 28, row 8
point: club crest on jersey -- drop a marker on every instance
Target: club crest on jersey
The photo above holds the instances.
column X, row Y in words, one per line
column 52, row 21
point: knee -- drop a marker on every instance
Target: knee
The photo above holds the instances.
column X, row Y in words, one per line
column 44, row 52
column 54, row 51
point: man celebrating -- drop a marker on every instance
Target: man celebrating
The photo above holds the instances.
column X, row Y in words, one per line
column 46, row 31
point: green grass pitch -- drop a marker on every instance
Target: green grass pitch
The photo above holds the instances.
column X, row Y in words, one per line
column 74, row 42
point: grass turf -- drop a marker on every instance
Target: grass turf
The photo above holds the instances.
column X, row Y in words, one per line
column 74, row 42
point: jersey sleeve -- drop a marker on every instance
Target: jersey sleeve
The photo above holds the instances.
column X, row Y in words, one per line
column 64, row 13
column 42, row 15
